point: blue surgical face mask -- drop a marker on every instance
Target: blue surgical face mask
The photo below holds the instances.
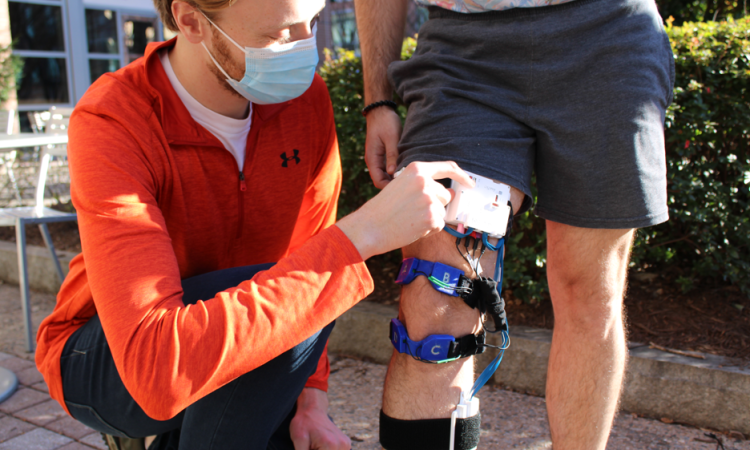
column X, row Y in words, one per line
column 274, row 74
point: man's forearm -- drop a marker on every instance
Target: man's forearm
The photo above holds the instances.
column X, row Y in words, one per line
column 380, row 24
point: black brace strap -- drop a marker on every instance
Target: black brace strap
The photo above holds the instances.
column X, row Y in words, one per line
column 428, row 434
column 481, row 293
column 471, row 344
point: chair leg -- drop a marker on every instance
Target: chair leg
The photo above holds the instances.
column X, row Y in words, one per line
column 23, row 281
column 8, row 160
column 12, row 176
column 48, row 242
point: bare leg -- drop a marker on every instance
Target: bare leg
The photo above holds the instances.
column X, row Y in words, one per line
column 587, row 271
column 416, row 390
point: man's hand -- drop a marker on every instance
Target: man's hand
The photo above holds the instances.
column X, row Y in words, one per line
column 380, row 24
column 381, row 152
column 408, row 208
column 311, row 429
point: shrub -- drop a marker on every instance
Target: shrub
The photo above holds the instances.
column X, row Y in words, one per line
column 343, row 75
column 11, row 66
column 701, row 10
column 708, row 163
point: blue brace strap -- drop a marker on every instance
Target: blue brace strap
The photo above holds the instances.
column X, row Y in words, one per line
column 437, row 348
column 481, row 293
column 455, row 233
column 445, row 279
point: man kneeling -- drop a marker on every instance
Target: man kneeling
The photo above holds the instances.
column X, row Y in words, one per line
column 194, row 170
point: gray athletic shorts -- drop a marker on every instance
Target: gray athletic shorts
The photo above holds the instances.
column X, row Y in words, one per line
column 575, row 92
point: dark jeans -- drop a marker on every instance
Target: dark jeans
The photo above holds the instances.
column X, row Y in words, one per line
column 251, row 412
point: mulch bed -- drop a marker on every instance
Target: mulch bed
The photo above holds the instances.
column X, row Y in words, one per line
column 710, row 319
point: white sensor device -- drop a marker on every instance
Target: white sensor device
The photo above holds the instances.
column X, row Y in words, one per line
column 484, row 208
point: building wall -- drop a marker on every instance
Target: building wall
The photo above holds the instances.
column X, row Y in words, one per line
column 86, row 38
column 338, row 28
column 67, row 44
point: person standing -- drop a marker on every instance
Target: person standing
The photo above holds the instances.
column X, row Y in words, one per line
column 574, row 92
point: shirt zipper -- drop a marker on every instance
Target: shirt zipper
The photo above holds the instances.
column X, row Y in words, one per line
column 243, row 188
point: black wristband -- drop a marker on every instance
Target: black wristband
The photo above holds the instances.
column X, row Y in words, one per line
column 372, row 106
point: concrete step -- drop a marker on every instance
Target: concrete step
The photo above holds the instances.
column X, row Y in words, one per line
column 42, row 273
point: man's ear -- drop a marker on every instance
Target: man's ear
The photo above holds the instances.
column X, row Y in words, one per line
column 193, row 26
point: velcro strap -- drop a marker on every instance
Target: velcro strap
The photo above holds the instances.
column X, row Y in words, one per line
column 471, row 344
column 428, row 434
column 466, row 290
column 494, row 305
column 484, row 296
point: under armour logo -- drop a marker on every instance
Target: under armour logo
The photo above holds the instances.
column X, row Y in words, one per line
column 295, row 157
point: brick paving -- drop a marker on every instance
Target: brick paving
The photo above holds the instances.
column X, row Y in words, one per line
column 31, row 420
column 22, row 399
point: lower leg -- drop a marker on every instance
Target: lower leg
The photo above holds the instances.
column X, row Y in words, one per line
column 415, row 390
column 248, row 410
column 586, row 271
column 255, row 409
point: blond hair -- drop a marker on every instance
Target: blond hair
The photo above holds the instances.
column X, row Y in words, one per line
column 165, row 9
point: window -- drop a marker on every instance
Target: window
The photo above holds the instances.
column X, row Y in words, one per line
column 102, row 42
column 38, row 32
column 43, row 81
column 139, row 32
column 101, row 29
column 36, row 27
column 116, row 39
column 98, row 67
column 344, row 29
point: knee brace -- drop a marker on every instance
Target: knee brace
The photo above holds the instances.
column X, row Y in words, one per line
column 487, row 209
column 436, row 348
column 480, row 293
column 459, row 432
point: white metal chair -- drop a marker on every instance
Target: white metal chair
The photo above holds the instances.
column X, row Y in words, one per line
column 37, row 215
column 36, row 121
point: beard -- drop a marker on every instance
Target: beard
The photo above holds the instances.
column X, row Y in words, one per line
column 223, row 56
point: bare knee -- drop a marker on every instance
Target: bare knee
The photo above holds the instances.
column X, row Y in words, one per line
column 587, row 272
column 424, row 310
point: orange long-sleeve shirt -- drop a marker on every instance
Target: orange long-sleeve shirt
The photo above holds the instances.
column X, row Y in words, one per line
column 159, row 199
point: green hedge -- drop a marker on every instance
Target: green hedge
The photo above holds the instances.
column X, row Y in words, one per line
column 707, row 134
column 11, row 68
column 708, row 162
column 701, row 10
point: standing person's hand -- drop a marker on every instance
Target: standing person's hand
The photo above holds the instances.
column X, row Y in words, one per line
column 381, row 144
column 311, row 428
column 409, row 208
